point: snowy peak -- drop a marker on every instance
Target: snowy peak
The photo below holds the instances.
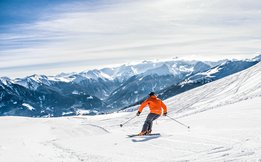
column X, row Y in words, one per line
column 5, row 80
column 95, row 74
column 121, row 73
column 161, row 70
column 220, row 71
column 33, row 82
column 201, row 66
column 124, row 72
column 257, row 58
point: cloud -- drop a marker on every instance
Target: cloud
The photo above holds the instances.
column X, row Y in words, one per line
column 131, row 30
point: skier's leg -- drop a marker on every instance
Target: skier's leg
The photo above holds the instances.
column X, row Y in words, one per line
column 154, row 117
column 147, row 122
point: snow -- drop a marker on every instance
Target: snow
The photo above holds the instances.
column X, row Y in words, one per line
column 104, row 75
column 75, row 92
column 67, row 113
column 224, row 117
column 210, row 72
column 95, row 74
column 5, row 80
column 89, row 98
column 160, row 67
column 83, row 112
column 65, row 79
column 33, row 81
column 28, row 106
column 162, row 70
column 231, row 89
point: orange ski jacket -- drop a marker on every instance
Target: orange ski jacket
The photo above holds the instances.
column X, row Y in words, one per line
column 155, row 104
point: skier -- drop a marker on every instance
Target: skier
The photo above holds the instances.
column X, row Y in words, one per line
column 156, row 105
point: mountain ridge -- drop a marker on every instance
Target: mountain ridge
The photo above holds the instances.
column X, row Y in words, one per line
column 108, row 89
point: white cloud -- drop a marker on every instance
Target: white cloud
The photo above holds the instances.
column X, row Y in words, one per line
column 133, row 30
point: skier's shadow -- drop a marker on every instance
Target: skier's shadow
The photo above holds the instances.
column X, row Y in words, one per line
column 144, row 139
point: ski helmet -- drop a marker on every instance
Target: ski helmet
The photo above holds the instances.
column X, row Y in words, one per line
column 152, row 94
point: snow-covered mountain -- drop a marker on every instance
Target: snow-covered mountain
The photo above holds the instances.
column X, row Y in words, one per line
column 108, row 89
column 159, row 77
column 223, row 115
column 46, row 97
column 220, row 71
column 228, row 90
column 65, row 94
column 257, row 58
column 33, row 82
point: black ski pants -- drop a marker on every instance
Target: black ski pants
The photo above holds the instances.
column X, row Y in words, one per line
column 147, row 126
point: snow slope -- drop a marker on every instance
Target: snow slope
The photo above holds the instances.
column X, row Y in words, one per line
column 224, row 116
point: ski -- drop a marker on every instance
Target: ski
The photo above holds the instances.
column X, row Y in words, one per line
column 152, row 134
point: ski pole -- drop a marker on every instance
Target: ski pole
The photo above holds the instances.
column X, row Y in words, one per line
column 127, row 121
column 178, row 122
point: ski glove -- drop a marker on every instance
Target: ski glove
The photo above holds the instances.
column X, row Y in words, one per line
column 138, row 113
column 165, row 114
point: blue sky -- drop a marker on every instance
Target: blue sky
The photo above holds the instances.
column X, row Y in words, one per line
column 54, row 36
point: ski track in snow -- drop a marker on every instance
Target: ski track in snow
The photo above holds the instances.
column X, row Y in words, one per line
column 231, row 132
column 97, row 126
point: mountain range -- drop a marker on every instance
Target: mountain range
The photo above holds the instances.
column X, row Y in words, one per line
column 109, row 89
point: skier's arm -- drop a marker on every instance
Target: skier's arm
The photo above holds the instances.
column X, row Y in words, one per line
column 164, row 107
column 144, row 104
